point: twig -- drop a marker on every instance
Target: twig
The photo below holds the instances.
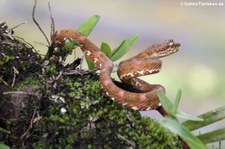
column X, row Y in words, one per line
column 33, row 120
column 15, row 72
column 5, row 83
column 18, row 92
column 39, row 27
column 17, row 26
column 55, row 79
column 31, row 46
column 128, row 141
column 52, row 23
column 72, row 72
column 59, row 76
column 4, row 130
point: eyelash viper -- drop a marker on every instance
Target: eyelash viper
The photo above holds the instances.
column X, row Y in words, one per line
column 146, row 62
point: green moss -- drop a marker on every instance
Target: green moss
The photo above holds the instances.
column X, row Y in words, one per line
column 92, row 120
column 6, row 59
column 30, row 81
column 51, row 70
column 16, row 57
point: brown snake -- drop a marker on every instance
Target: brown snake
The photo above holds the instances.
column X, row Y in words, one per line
column 146, row 62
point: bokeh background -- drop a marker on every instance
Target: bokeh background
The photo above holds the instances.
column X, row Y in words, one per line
column 198, row 68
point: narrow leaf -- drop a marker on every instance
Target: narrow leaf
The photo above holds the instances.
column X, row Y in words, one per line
column 209, row 118
column 3, row 146
column 89, row 25
column 166, row 103
column 177, row 101
column 184, row 133
column 86, row 29
column 90, row 64
column 213, row 136
column 105, row 48
column 187, row 116
column 123, row 48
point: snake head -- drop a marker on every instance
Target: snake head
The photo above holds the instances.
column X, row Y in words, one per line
column 167, row 48
column 160, row 50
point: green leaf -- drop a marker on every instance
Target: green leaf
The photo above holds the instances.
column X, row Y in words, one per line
column 123, row 48
column 177, row 101
column 90, row 64
column 86, row 29
column 69, row 45
column 209, row 118
column 105, row 48
column 213, row 136
column 166, row 103
column 3, row 146
column 89, row 25
column 184, row 133
column 187, row 116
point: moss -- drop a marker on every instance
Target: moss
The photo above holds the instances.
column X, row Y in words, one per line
column 92, row 120
column 33, row 81
column 6, row 59
column 50, row 70
column 17, row 58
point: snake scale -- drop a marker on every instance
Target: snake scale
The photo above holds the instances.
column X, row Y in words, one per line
column 145, row 63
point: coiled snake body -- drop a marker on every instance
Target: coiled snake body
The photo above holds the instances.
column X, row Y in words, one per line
column 146, row 62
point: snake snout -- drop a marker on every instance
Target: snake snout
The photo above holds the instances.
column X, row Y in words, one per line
column 170, row 48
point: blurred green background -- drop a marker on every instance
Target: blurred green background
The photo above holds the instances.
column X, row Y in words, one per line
column 198, row 68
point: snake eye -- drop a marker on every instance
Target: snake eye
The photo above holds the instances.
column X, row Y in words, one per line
column 170, row 42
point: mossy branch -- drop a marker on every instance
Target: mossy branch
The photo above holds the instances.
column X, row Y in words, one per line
column 64, row 107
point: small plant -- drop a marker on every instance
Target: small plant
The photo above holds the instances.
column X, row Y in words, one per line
column 116, row 53
column 192, row 123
